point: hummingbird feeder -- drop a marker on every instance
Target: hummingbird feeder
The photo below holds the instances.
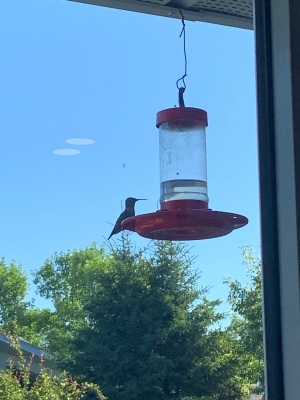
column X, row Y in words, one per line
column 184, row 213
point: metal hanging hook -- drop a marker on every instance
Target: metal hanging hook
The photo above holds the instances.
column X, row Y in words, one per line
column 182, row 89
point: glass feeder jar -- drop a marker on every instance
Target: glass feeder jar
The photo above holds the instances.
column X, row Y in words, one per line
column 182, row 148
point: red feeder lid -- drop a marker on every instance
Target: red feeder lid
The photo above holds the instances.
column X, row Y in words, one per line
column 181, row 113
column 184, row 224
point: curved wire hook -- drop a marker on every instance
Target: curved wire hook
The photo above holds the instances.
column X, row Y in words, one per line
column 184, row 52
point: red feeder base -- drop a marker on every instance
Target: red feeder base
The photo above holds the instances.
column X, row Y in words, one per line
column 184, row 224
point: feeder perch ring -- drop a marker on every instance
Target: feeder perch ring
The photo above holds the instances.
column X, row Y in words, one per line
column 184, row 225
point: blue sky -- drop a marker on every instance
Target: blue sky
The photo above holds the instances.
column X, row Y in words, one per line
column 70, row 70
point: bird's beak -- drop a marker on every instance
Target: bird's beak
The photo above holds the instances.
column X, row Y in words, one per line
column 141, row 199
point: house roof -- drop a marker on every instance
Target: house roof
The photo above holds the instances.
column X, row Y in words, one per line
column 28, row 349
column 237, row 13
column 25, row 346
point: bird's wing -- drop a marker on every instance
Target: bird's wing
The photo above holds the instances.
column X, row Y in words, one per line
column 118, row 226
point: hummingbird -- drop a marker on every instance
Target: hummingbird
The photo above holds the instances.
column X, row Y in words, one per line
column 128, row 212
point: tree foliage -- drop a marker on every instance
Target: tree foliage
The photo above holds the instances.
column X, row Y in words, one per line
column 68, row 280
column 246, row 324
column 13, row 290
column 15, row 310
column 149, row 332
column 137, row 322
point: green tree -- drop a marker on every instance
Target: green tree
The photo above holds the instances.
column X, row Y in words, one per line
column 14, row 310
column 148, row 331
column 156, row 332
column 246, row 324
column 13, row 289
column 68, row 280
column 36, row 325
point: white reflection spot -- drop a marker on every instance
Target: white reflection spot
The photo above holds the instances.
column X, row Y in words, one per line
column 66, row 152
column 80, row 141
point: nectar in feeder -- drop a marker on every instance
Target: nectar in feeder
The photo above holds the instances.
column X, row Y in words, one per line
column 182, row 146
column 184, row 213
